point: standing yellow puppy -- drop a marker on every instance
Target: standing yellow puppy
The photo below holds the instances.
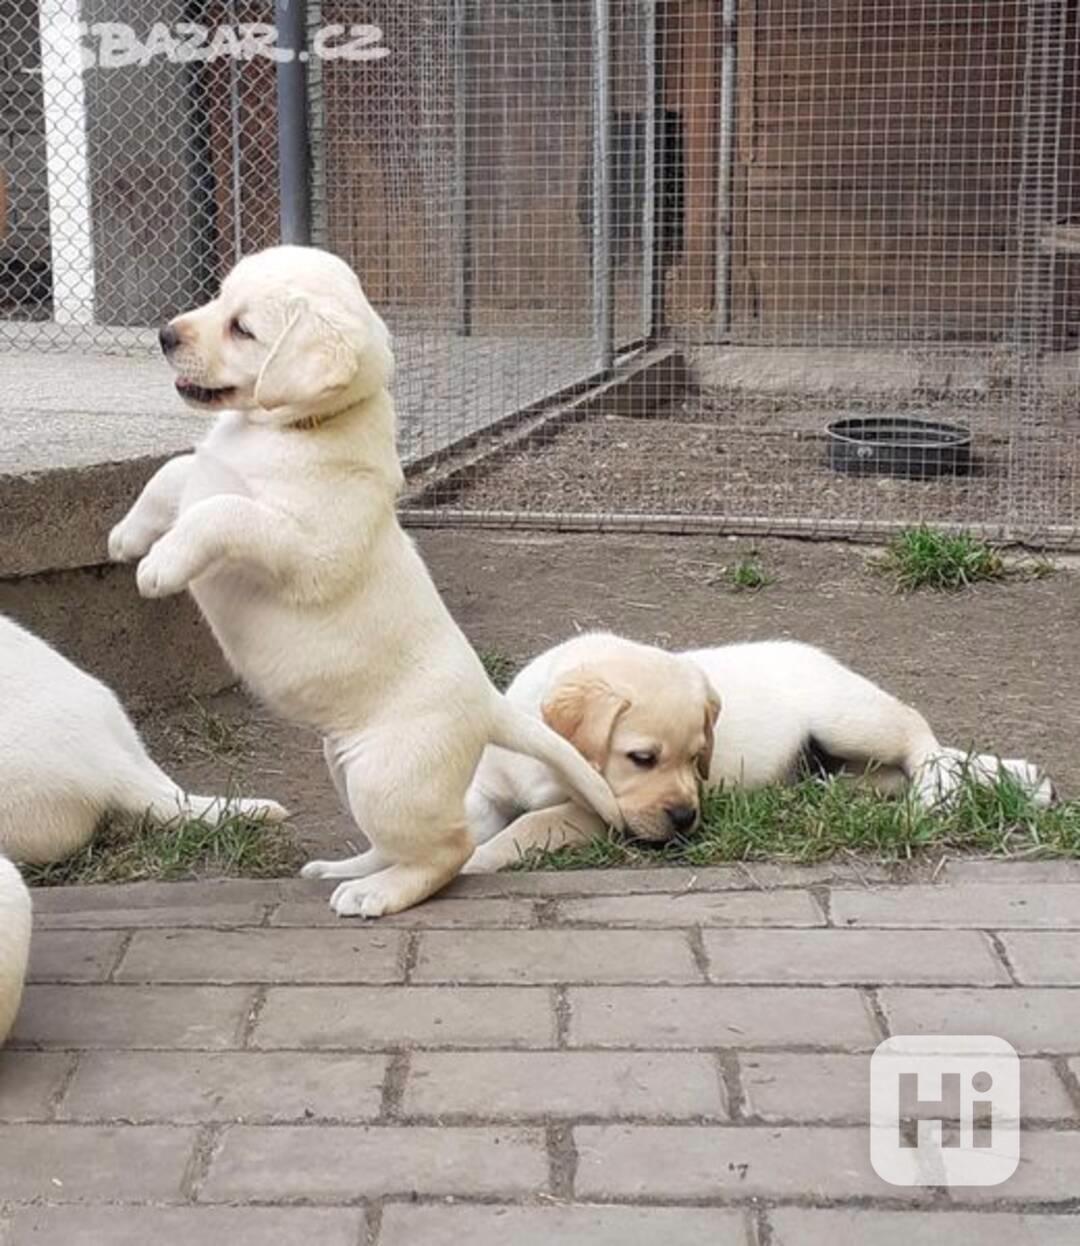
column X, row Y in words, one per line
column 282, row 524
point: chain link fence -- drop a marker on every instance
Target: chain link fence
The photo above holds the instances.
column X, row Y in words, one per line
column 639, row 256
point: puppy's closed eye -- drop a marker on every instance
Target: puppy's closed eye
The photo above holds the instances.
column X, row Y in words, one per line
column 238, row 329
column 642, row 759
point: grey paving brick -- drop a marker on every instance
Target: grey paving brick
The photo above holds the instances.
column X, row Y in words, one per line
column 73, row 1163
column 224, row 1086
column 353, row 954
column 374, row 1017
column 834, row 957
column 781, row 1086
column 1032, row 1020
column 1049, row 1172
column 521, row 956
column 798, row 1226
column 697, row 908
column 219, row 916
column 73, row 956
column 974, row 906
column 728, row 1161
column 29, row 1081
column 1051, row 959
column 720, row 1017
column 97, row 1017
column 575, row 1225
column 333, row 1163
column 598, row 882
column 1014, row 873
column 435, row 914
column 207, row 894
column 187, row 1226
column 506, row 1085
column 753, row 877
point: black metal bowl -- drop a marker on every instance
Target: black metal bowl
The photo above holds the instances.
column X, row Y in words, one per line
column 899, row 446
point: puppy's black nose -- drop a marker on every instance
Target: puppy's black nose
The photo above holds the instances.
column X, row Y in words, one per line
column 169, row 338
column 681, row 817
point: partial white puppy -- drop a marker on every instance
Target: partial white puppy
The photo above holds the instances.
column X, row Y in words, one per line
column 14, row 942
column 647, row 720
column 69, row 755
column 282, row 524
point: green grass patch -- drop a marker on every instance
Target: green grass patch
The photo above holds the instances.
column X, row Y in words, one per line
column 818, row 820
column 126, row 851
column 926, row 557
column 501, row 669
column 746, row 575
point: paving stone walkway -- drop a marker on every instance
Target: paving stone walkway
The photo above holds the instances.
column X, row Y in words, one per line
column 610, row 1059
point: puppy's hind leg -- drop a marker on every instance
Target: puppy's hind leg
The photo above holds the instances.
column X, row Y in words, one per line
column 944, row 775
column 407, row 882
column 412, row 808
column 364, row 863
column 361, row 866
column 865, row 727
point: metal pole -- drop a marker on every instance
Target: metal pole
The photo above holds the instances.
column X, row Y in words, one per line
column 651, row 274
column 462, row 223
column 603, row 273
column 293, row 147
column 725, row 173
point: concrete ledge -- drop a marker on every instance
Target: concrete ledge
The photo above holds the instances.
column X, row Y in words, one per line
column 59, row 519
column 148, row 652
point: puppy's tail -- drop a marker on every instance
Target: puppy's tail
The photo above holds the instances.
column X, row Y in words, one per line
column 148, row 789
column 14, row 942
column 520, row 733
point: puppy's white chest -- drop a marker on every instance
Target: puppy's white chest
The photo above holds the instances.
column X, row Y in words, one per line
column 217, row 467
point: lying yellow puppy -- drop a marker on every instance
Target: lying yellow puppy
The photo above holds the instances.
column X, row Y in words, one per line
column 654, row 724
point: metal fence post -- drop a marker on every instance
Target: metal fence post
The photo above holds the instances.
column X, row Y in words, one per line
column 726, row 162
column 603, row 273
column 293, row 146
column 462, row 222
column 652, row 292
column 1037, row 200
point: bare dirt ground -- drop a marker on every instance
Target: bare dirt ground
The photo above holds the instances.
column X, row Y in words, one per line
column 996, row 666
column 734, row 455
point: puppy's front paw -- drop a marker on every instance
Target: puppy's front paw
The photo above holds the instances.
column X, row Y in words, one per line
column 161, row 574
column 129, row 540
column 318, row 869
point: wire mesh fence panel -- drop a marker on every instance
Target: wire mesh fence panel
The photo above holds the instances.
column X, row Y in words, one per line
column 450, row 173
column 136, row 163
column 856, row 219
column 747, row 264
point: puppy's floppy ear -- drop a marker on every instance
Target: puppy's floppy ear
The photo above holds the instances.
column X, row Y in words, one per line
column 316, row 352
column 584, row 710
column 712, row 713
